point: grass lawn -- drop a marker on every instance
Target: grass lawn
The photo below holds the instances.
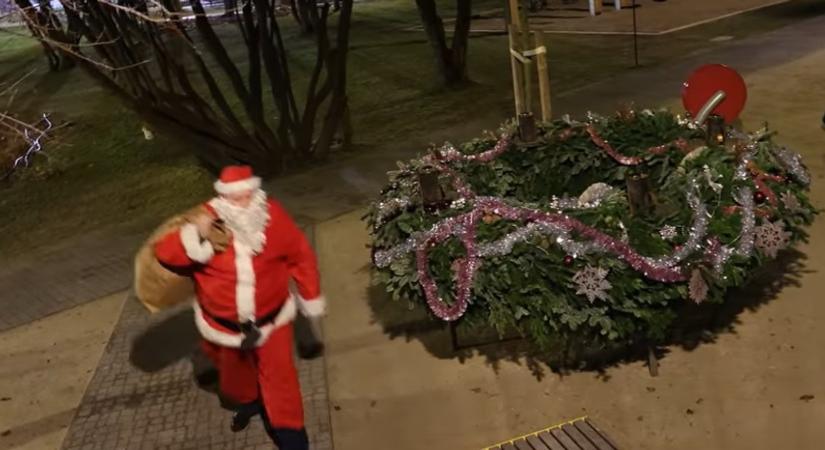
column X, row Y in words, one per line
column 101, row 173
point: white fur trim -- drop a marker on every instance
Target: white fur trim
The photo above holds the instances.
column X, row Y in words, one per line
column 229, row 339
column 249, row 184
column 196, row 250
column 314, row 307
column 245, row 284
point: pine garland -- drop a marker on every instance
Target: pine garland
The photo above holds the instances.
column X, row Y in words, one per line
column 533, row 287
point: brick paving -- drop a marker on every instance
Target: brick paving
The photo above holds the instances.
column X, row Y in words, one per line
column 143, row 395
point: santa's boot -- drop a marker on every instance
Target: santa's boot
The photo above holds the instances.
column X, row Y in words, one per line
column 242, row 416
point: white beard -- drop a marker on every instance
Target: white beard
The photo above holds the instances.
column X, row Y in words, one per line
column 248, row 225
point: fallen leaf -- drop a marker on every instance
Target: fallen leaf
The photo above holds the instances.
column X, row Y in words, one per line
column 807, row 397
column 689, row 412
column 5, row 433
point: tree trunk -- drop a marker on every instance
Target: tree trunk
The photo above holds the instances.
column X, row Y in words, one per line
column 303, row 14
column 229, row 7
column 451, row 62
column 46, row 27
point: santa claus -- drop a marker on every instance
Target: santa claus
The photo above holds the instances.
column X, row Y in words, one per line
column 244, row 308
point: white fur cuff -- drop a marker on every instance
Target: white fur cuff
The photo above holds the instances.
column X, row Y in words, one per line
column 249, row 184
column 314, row 307
column 196, row 250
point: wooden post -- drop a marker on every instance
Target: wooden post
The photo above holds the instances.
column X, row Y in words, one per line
column 514, row 27
column 652, row 361
column 544, row 78
column 524, row 27
column 619, row 4
column 518, row 74
column 523, row 50
column 639, row 195
column 595, row 7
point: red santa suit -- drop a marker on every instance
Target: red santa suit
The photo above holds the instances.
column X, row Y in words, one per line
column 247, row 283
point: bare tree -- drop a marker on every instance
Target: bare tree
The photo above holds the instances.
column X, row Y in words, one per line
column 20, row 141
column 451, row 61
column 45, row 25
column 190, row 86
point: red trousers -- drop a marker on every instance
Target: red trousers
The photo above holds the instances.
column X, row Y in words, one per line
column 268, row 373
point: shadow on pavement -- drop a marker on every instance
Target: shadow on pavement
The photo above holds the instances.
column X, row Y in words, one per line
column 695, row 325
column 174, row 337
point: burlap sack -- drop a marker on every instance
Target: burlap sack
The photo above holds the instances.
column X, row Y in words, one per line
column 158, row 287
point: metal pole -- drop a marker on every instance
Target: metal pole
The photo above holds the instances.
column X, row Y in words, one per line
column 635, row 37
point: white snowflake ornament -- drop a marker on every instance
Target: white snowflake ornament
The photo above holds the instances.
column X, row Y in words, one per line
column 592, row 283
column 791, row 202
column 771, row 237
column 668, row 232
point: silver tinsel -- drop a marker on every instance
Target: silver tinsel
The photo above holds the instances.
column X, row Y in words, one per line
column 449, row 151
column 720, row 258
column 741, row 173
column 625, row 237
column 686, row 122
column 744, row 196
column 592, row 197
column 384, row 258
column 561, row 236
column 389, row 207
column 458, row 203
column 793, row 163
column 562, row 203
column 505, row 245
column 697, row 230
column 668, row 232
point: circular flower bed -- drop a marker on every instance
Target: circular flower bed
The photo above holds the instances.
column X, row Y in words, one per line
column 598, row 232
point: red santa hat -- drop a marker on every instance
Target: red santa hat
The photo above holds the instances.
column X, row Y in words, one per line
column 237, row 179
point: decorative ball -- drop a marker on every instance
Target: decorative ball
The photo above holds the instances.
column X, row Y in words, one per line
column 568, row 260
column 759, row 197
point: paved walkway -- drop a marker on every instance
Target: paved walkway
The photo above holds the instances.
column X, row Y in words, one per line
column 143, row 395
column 135, row 402
column 61, row 278
column 652, row 18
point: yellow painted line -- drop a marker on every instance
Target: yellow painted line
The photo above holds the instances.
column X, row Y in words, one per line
column 525, row 436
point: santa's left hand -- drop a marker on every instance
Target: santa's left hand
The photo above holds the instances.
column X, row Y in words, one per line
column 203, row 222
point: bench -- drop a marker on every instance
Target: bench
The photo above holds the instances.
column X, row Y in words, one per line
column 578, row 434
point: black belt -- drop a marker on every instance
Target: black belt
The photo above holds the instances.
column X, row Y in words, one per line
column 251, row 329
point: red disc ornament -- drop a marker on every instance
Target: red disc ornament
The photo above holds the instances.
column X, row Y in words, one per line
column 709, row 79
